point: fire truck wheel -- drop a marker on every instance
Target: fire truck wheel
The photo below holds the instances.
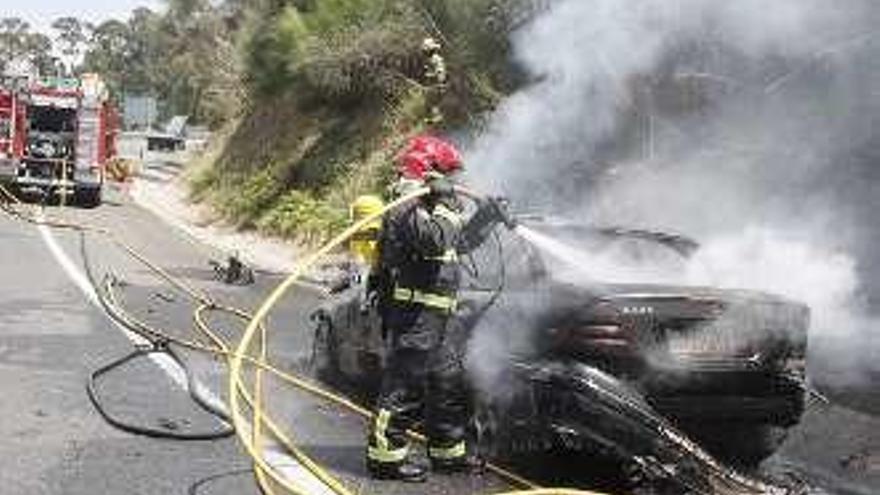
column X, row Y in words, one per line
column 89, row 197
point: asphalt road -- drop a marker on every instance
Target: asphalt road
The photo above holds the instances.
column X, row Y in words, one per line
column 52, row 336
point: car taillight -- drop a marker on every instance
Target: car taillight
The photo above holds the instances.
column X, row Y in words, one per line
column 600, row 342
column 602, row 334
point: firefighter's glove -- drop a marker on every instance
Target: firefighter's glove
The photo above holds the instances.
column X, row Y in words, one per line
column 501, row 211
column 441, row 187
column 490, row 212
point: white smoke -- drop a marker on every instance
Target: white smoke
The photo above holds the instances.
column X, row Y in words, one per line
column 843, row 348
column 744, row 124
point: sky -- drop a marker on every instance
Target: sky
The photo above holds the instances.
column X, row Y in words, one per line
column 41, row 13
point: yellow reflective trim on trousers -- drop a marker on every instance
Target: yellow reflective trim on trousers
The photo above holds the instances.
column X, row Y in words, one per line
column 450, row 216
column 380, row 434
column 387, row 455
column 445, row 453
column 430, row 300
column 450, row 256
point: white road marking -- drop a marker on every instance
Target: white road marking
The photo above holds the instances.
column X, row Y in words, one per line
column 84, row 285
column 294, row 471
column 291, row 468
column 283, row 463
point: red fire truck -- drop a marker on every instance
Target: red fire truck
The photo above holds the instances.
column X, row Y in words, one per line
column 56, row 136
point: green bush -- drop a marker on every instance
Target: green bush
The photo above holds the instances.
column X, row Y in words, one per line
column 301, row 215
column 339, row 52
column 201, row 183
column 244, row 204
column 334, row 89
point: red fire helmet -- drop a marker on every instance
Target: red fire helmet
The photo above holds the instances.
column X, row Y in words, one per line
column 424, row 154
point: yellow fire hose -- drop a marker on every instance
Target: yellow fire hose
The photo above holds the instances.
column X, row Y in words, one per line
column 238, row 391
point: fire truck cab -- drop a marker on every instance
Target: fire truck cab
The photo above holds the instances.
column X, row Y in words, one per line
column 56, row 135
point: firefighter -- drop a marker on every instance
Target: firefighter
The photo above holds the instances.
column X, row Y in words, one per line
column 419, row 280
column 435, row 64
column 363, row 245
column 435, row 77
column 364, row 250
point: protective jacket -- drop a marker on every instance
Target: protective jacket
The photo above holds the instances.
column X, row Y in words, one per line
column 418, row 257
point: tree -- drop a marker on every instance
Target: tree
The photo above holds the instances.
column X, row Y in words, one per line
column 72, row 38
column 108, row 53
column 21, row 48
column 143, row 54
column 13, row 35
column 110, row 37
column 195, row 41
column 186, row 9
column 38, row 50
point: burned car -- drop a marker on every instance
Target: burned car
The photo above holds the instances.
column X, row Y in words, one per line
column 678, row 381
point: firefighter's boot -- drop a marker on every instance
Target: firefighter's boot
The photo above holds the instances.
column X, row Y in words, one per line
column 401, row 471
column 455, row 459
column 388, row 449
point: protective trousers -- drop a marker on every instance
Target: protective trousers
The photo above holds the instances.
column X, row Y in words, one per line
column 424, row 379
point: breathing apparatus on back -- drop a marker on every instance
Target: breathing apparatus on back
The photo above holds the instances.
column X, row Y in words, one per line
column 364, row 245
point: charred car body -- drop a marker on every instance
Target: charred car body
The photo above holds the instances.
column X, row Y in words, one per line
column 662, row 377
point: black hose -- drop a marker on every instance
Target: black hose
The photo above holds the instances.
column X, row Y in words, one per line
column 158, row 343
column 96, row 400
column 196, row 487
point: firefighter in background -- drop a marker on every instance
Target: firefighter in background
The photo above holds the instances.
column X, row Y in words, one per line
column 418, row 277
column 364, row 244
column 364, row 249
column 435, row 79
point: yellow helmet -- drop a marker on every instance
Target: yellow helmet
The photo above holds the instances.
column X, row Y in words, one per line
column 365, row 206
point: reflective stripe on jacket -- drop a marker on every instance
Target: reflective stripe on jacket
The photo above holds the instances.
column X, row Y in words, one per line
column 418, row 257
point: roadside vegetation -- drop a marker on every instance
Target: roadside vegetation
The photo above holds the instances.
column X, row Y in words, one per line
column 309, row 99
column 333, row 90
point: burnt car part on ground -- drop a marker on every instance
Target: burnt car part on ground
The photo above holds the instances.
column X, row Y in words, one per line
column 233, row 272
column 663, row 379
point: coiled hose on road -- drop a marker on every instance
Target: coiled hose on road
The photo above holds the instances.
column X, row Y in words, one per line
column 237, row 359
